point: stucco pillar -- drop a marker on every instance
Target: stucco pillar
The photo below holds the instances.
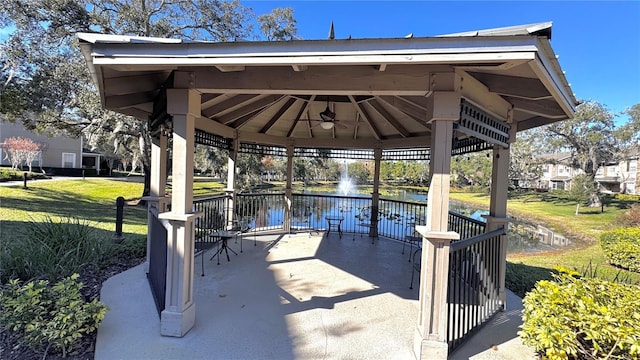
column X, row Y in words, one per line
column 178, row 317
column 156, row 201
column 231, row 183
column 430, row 340
column 288, row 191
column 375, row 196
column 498, row 209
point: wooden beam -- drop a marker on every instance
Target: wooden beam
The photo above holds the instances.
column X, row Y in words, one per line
column 303, row 108
column 390, row 118
column 321, row 80
column 356, row 126
column 299, row 67
column 230, row 103
column 407, row 107
column 124, row 85
column 129, row 100
column 420, row 102
column 230, row 68
column 209, row 99
column 476, row 92
column 277, row 115
column 544, row 108
column 244, row 119
column 249, row 108
column 214, row 127
column 534, row 122
column 367, row 118
column 513, row 86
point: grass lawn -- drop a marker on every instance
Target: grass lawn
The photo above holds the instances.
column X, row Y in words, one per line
column 555, row 211
column 92, row 200
column 559, row 213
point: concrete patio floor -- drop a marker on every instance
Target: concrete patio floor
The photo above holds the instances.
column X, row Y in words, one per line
column 297, row 296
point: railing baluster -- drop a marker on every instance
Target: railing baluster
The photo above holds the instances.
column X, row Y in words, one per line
column 474, row 274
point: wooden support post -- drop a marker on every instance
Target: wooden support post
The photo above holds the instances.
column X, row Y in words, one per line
column 157, row 202
column 430, row 341
column 178, row 317
column 288, row 191
column 231, row 184
column 498, row 209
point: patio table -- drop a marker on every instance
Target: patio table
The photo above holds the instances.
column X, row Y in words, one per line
column 224, row 238
column 334, row 223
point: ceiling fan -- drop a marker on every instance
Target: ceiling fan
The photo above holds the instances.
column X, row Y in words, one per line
column 327, row 119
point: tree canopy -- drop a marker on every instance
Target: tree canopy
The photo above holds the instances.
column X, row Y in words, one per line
column 45, row 83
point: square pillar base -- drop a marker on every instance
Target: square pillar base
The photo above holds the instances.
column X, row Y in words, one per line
column 429, row 349
column 177, row 324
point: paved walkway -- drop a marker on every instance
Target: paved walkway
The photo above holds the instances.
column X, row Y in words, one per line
column 291, row 297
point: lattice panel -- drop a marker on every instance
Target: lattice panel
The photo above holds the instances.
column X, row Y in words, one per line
column 469, row 145
column 208, row 139
column 354, row 154
column 477, row 123
column 406, row 154
column 263, row 150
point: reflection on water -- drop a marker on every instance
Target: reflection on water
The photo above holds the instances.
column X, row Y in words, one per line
column 523, row 235
column 526, row 236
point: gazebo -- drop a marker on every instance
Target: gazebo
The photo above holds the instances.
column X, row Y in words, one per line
column 433, row 97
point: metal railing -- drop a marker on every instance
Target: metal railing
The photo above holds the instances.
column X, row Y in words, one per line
column 474, row 285
column 395, row 219
column 311, row 210
column 398, row 219
column 213, row 217
column 157, row 274
column 260, row 211
column 465, row 226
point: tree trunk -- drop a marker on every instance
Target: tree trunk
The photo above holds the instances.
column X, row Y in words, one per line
column 147, row 183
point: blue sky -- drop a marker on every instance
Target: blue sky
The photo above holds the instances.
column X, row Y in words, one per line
column 598, row 42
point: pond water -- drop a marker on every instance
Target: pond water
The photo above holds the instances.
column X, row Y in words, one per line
column 523, row 236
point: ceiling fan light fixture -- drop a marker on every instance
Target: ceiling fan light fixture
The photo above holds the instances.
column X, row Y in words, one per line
column 328, row 115
column 327, row 125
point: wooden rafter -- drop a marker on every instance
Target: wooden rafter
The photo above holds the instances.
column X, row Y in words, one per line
column 208, row 100
column 303, row 108
column 367, row 118
column 278, row 114
column 230, row 103
column 129, row 100
column 249, row 108
column 513, row 86
column 244, row 119
column 548, row 109
column 389, row 118
column 408, row 108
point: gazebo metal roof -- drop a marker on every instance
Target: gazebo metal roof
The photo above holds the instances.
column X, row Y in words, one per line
column 381, row 90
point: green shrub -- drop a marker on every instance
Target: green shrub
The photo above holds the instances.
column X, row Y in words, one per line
column 627, row 197
column 49, row 317
column 9, row 174
column 582, row 318
column 53, row 250
column 622, row 247
column 132, row 247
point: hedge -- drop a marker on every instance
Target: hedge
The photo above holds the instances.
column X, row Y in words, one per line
column 582, row 318
column 622, row 247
